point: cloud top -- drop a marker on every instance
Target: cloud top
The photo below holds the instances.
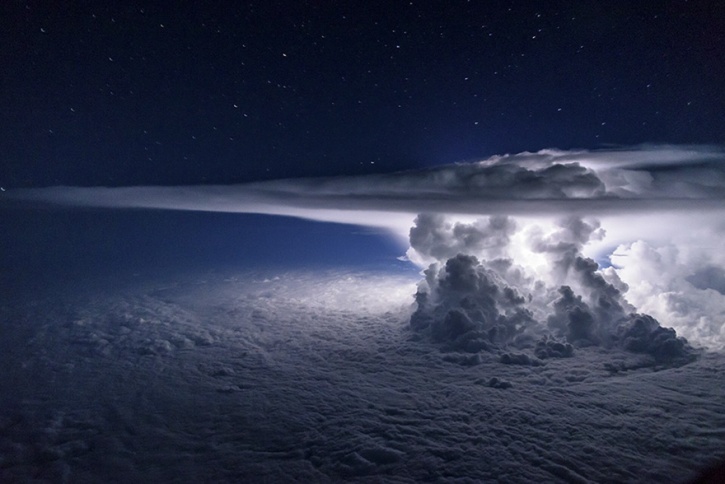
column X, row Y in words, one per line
column 490, row 222
column 640, row 179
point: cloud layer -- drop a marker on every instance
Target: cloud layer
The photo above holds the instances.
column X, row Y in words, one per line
column 550, row 280
column 273, row 377
column 546, row 182
column 533, row 223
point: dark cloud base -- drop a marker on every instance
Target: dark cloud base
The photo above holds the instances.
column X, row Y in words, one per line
column 305, row 377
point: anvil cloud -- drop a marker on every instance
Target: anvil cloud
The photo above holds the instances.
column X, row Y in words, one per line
column 653, row 213
column 639, row 179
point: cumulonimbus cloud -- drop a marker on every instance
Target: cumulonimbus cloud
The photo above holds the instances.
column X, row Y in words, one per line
column 660, row 222
column 477, row 294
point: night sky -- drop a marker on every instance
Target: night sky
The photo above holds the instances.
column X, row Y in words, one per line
column 362, row 241
column 131, row 93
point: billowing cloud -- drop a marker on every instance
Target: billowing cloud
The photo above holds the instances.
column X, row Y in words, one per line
column 434, row 237
column 676, row 284
column 468, row 306
column 532, row 224
column 496, row 304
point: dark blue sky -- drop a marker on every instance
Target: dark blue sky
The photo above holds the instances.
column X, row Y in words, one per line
column 118, row 93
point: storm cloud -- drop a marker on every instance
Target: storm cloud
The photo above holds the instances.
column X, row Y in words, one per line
column 646, row 178
column 497, row 304
column 627, row 230
column 551, row 284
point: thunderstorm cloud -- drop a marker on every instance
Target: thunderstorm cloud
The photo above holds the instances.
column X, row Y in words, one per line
column 641, row 179
column 606, row 247
column 548, row 280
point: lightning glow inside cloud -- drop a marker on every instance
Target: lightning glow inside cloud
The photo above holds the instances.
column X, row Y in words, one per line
column 510, row 243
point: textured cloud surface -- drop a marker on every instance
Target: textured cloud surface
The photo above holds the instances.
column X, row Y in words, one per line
column 316, row 377
column 496, row 303
column 546, row 182
column 554, row 283
column 534, row 228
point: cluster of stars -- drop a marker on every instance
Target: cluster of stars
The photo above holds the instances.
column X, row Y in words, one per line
column 399, row 86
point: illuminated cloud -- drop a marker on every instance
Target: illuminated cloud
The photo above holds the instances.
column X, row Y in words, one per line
column 544, row 274
column 496, row 303
column 534, row 222
column 549, row 182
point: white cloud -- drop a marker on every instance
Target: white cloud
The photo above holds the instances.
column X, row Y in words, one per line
column 319, row 376
column 644, row 179
column 495, row 302
column 657, row 277
column 274, row 377
column 659, row 196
